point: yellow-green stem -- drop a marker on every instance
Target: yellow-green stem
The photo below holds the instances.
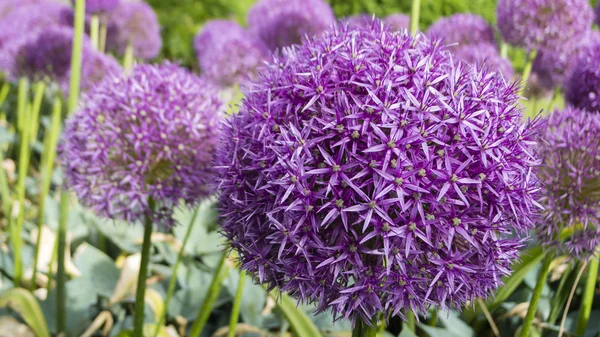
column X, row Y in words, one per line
column 75, row 80
column 103, row 33
column 527, row 70
column 235, row 311
column 414, row 16
column 21, row 103
column 4, row 189
column 588, row 296
column 537, row 294
column 173, row 279
column 211, row 297
column 61, row 277
column 95, row 31
column 51, row 265
column 128, row 59
column 503, row 50
column 40, row 87
column 410, row 323
column 362, row 329
column 140, row 294
column 4, row 92
column 48, row 157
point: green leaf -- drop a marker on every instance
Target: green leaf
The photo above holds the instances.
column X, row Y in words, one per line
column 98, row 268
column 23, row 302
column 437, row 332
column 529, row 260
column 407, row 333
column 125, row 333
column 456, row 325
column 299, row 321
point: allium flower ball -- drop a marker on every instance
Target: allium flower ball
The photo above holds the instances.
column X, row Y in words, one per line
column 462, row 29
column 281, row 23
column 583, row 86
column 367, row 173
column 99, row 6
column 484, row 55
column 543, row 24
column 398, row 21
column 134, row 22
column 147, row 135
column 570, row 177
column 227, row 53
column 6, row 6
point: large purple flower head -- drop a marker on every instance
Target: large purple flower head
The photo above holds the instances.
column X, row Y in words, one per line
column 570, row 176
column 227, row 53
column 543, row 24
column 582, row 88
column 95, row 68
column 462, row 29
column 7, row 6
column 398, row 21
column 281, row 23
column 555, row 66
column 147, row 135
column 134, row 22
column 366, row 172
column 99, row 6
column 484, row 55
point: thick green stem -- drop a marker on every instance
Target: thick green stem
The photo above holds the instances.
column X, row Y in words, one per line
column 235, row 311
column 4, row 92
column 128, row 59
column 61, row 277
column 527, row 70
column 362, row 329
column 410, row 323
column 4, row 188
column 414, row 16
column 51, row 265
column 140, row 294
column 21, row 103
column 78, row 25
column 537, row 294
column 588, row 296
column 103, row 32
column 40, row 87
column 95, row 31
column 211, row 297
column 173, row 279
column 48, row 157
column 503, row 50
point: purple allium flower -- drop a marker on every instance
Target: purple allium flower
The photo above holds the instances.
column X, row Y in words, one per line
column 543, row 24
column 227, row 53
column 555, row 66
column 134, row 22
column 463, row 29
column 147, row 135
column 366, row 172
column 570, row 177
column 484, row 55
column 99, row 6
column 95, row 68
column 582, row 89
column 281, row 23
column 398, row 21
column 6, row 6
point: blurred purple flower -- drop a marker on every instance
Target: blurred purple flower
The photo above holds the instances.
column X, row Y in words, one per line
column 543, row 24
column 99, row 6
column 462, row 29
column 362, row 20
column 368, row 173
column 6, row 6
column 582, row 88
column 227, row 53
column 134, row 22
column 281, row 23
column 570, row 176
column 398, row 21
column 147, row 135
column 484, row 55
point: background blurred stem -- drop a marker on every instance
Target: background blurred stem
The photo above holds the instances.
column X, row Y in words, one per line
column 211, row 297
column 95, row 31
column 4, row 92
column 527, row 70
column 362, row 329
column 61, row 277
column 128, row 59
column 140, row 294
column 21, row 102
column 103, row 32
column 51, row 265
column 503, row 50
column 48, row 157
column 588, row 296
column 410, row 323
column 537, row 294
column 4, row 189
column 40, row 87
column 173, row 279
column 566, row 310
column 414, row 16
column 235, row 311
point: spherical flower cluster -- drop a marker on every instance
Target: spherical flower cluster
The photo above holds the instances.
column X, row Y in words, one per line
column 543, row 24
column 135, row 23
column 484, row 55
column 570, row 176
column 99, row 6
column 6, row 6
column 462, row 29
column 368, row 173
column 555, row 66
column 95, row 68
column 146, row 136
column 281, row 23
column 583, row 86
column 398, row 21
column 227, row 53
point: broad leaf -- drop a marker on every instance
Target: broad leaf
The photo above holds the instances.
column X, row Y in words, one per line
column 23, row 302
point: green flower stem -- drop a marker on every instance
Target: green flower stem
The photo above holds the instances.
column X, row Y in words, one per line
column 40, row 87
column 415, row 10
column 527, row 70
column 4, row 92
column 51, row 265
column 211, row 297
column 103, row 32
column 173, row 279
column 410, row 321
column 362, row 329
column 504, row 50
column 537, row 294
column 48, row 157
column 588, row 296
column 140, row 294
column 21, row 103
column 78, row 25
column 128, row 59
column 235, row 311
column 95, row 31
column 434, row 318
column 4, row 189
column 61, row 277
